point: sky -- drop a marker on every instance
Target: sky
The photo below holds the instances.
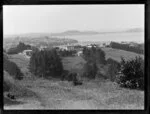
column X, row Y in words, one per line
column 18, row 19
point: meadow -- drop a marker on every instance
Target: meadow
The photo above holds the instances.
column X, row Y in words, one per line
column 57, row 94
column 116, row 54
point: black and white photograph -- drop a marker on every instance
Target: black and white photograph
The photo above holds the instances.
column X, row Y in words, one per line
column 75, row 57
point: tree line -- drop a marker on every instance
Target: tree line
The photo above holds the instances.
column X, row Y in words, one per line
column 127, row 47
column 93, row 56
column 46, row 63
column 19, row 48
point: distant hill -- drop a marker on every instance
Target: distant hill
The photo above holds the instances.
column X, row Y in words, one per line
column 135, row 30
column 74, row 32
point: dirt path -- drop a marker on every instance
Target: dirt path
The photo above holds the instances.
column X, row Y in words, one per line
column 91, row 95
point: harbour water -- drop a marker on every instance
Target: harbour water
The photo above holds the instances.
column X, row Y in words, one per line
column 118, row 37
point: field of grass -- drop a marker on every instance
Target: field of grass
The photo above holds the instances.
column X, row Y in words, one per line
column 73, row 64
column 117, row 54
column 100, row 94
column 56, row 94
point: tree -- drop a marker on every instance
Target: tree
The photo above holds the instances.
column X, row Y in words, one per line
column 90, row 70
column 46, row 63
column 94, row 55
column 137, row 49
column 132, row 73
column 113, row 69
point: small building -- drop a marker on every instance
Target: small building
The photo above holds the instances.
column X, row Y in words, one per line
column 27, row 53
column 79, row 53
column 89, row 46
column 42, row 47
column 63, row 47
column 70, row 48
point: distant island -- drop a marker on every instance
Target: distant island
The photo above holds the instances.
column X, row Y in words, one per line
column 76, row 32
column 72, row 33
column 135, row 30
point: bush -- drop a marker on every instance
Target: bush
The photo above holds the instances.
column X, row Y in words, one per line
column 90, row 70
column 12, row 68
column 46, row 63
column 113, row 69
column 66, row 75
column 132, row 73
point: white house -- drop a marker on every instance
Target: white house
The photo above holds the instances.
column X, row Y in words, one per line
column 27, row 53
column 79, row 53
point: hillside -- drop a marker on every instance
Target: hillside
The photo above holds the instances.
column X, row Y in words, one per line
column 16, row 88
column 56, row 94
column 116, row 54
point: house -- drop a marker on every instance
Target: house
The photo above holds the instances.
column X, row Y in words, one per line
column 79, row 53
column 91, row 45
column 42, row 47
column 27, row 53
column 70, row 48
column 63, row 47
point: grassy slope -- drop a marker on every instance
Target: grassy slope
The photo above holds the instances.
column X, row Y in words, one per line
column 91, row 95
column 117, row 54
column 22, row 63
column 100, row 94
column 14, row 86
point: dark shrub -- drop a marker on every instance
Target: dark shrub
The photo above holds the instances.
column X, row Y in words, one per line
column 71, row 77
column 12, row 68
column 132, row 73
column 64, row 74
column 75, row 83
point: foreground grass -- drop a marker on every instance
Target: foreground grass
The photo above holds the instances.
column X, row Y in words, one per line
column 100, row 94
